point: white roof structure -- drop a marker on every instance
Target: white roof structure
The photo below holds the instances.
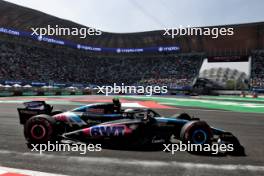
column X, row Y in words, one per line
column 222, row 75
column 27, row 86
column 7, row 86
column 17, row 85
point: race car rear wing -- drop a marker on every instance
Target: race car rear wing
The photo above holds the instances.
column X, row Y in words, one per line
column 33, row 108
column 35, row 105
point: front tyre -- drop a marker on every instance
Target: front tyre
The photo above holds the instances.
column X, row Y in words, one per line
column 40, row 129
column 196, row 132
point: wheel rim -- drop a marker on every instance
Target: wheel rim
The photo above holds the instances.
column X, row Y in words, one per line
column 38, row 131
column 199, row 136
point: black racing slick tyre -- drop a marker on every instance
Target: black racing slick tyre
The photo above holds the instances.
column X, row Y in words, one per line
column 196, row 132
column 40, row 129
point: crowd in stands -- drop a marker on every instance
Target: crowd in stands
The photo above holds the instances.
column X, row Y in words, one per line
column 36, row 63
column 257, row 71
column 170, row 82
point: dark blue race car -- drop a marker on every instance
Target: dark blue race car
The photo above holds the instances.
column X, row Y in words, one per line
column 109, row 123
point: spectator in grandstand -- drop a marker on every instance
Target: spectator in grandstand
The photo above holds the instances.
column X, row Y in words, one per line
column 257, row 71
column 30, row 63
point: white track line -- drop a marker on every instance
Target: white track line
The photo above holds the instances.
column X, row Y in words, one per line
column 146, row 163
column 2, row 171
column 219, row 110
column 6, row 170
column 213, row 110
column 206, row 110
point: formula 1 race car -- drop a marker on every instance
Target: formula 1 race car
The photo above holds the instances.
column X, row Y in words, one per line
column 109, row 123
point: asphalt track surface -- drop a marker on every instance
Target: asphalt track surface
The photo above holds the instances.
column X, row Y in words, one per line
column 248, row 127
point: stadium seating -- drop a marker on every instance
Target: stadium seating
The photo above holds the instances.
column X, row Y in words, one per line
column 257, row 71
column 39, row 63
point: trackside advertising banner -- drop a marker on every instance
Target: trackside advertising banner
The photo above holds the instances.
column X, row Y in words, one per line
column 86, row 47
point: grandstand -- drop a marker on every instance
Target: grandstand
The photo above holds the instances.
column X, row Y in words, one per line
column 24, row 63
column 257, row 67
column 26, row 60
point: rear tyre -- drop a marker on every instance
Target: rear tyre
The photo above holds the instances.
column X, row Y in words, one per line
column 40, row 129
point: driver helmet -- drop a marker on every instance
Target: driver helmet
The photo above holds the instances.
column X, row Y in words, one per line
column 116, row 102
column 117, row 105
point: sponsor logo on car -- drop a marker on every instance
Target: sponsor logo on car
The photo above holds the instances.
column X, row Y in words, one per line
column 108, row 131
